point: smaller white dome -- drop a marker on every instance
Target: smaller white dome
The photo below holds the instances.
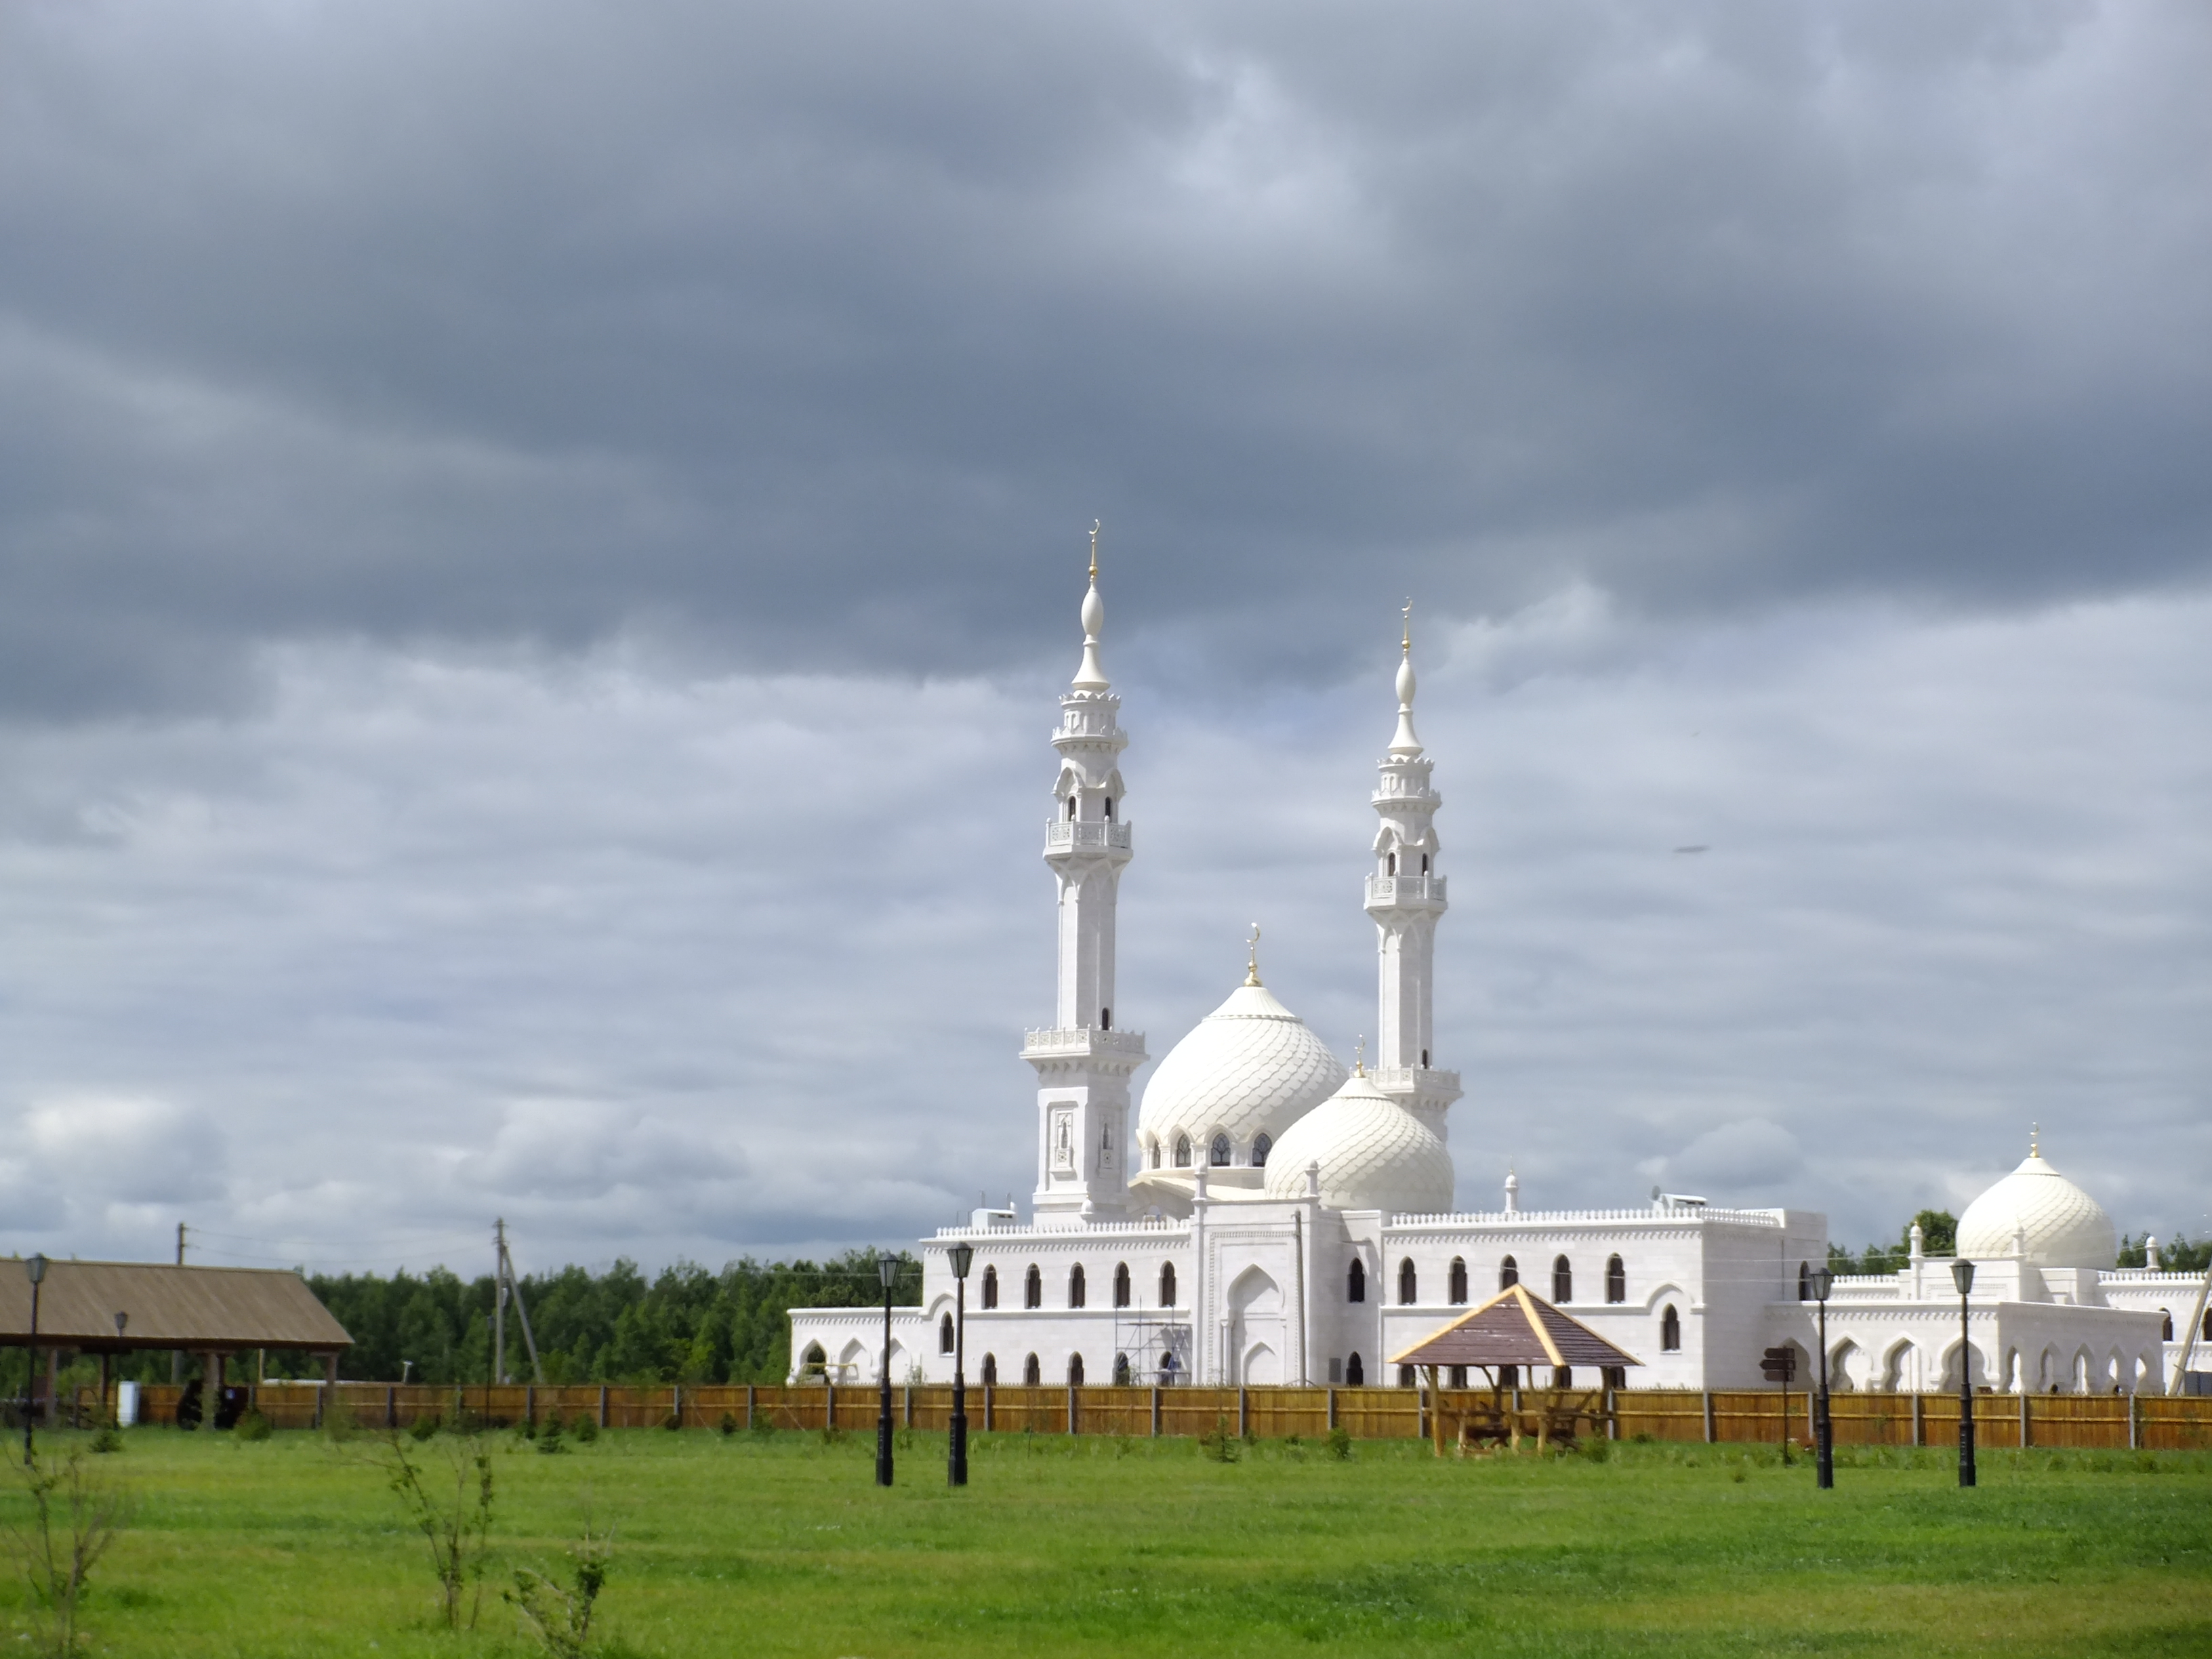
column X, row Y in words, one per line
column 2065, row 1227
column 1374, row 1155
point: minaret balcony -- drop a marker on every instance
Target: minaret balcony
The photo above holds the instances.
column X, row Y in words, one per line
column 1107, row 835
column 1420, row 1082
column 1083, row 1042
column 1406, row 892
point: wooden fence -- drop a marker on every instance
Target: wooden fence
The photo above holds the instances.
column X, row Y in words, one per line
column 2146, row 1422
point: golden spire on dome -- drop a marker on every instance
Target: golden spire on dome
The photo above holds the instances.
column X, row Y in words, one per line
column 1252, row 963
column 1096, row 525
column 2035, row 1140
column 1407, row 644
column 1359, row 1057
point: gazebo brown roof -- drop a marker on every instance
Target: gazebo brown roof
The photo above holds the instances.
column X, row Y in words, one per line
column 201, row 1310
column 1514, row 1328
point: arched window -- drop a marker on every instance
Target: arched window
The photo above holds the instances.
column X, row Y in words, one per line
column 1183, row 1151
column 1167, row 1285
column 1406, row 1378
column 1458, row 1377
column 1105, row 1019
column 1155, row 1147
column 1389, row 863
column 1110, row 806
column 1070, row 809
column 1670, row 1329
column 1562, row 1377
column 1355, row 1282
column 1219, row 1156
column 945, row 1325
column 990, row 1370
column 1261, row 1145
column 1425, row 857
column 2165, row 1324
column 813, row 1362
column 1032, row 1373
column 1459, row 1289
column 1613, row 1377
column 1355, row 1373
column 1804, row 1281
column 1033, row 1288
column 1616, row 1279
column 1074, row 1360
column 1509, row 1377
column 1509, row 1273
column 1076, row 1291
column 1563, row 1279
column 1122, row 1285
column 1409, row 1283
column 1424, row 1058
column 990, row 1288
column 1121, row 1370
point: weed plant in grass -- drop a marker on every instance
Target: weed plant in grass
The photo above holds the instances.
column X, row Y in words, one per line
column 778, row 1544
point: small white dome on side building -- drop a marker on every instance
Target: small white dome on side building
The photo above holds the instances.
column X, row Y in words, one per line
column 2063, row 1226
column 1374, row 1155
column 1251, row 1067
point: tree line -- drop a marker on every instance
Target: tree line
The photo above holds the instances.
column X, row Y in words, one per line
column 1939, row 1236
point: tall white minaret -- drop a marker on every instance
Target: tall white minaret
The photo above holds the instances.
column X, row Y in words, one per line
column 1406, row 896
column 1083, row 1061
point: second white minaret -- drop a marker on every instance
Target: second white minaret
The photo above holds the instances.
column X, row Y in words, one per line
column 1083, row 1061
column 1405, row 898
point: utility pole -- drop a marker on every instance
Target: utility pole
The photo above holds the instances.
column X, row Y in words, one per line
column 508, row 1284
column 180, row 1243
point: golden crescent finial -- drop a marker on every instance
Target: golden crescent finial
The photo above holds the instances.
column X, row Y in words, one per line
column 1407, row 645
column 1359, row 1057
column 1252, row 963
column 1096, row 526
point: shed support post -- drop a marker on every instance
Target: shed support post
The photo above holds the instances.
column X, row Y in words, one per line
column 1709, row 1417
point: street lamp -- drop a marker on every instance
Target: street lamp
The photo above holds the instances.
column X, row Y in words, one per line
column 1818, row 1282
column 962, row 1257
column 35, row 1266
column 887, row 1266
column 1962, row 1275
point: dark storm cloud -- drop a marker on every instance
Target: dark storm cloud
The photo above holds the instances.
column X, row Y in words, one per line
column 803, row 335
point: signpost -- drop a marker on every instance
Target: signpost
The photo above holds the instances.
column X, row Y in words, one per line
column 1780, row 1365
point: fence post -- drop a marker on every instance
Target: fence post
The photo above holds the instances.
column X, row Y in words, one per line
column 2024, row 1398
column 603, row 1405
column 2133, row 1437
column 1332, row 1409
column 828, row 1404
column 1611, row 1415
column 530, row 1405
column 750, row 1392
column 1071, row 1408
column 1243, row 1412
column 988, row 1391
column 1709, row 1434
column 390, row 1407
column 1919, row 1422
column 1155, row 1411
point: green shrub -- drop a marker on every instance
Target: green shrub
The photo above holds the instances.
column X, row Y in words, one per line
column 1223, row 1446
column 549, row 1437
column 1339, row 1444
column 423, row 1427
column 252, row 1426
column 587, row 1430
column 729, row 1423
column 109, row 1439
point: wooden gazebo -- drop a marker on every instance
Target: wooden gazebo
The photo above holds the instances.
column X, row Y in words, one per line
column 1514, row 1328
column 110, row 1307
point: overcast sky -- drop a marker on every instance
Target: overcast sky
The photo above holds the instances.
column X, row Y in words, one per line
column 538, row 541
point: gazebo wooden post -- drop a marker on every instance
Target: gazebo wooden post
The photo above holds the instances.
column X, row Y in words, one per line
column 1436, row 1412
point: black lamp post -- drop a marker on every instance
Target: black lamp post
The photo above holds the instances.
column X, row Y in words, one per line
column 1962, row 1275
column 1820, row 1282
column 887, row 1266
column 35, row 1266
column 962, row 1257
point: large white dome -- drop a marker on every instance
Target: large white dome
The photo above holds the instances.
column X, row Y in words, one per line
column 1251, row 1067
column 2064, row 1226
column 1374, row 1155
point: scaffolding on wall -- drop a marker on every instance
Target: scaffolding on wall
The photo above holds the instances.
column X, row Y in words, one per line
column 1156, row 1344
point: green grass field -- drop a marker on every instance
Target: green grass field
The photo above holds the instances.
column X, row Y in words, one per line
column 781, row 1545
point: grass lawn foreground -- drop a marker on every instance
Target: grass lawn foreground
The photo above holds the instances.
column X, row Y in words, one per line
column 778, row 1544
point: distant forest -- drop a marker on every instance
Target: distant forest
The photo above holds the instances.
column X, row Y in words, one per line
column 687, row 1324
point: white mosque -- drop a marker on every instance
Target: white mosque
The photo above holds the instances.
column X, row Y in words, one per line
column 1277, row 1218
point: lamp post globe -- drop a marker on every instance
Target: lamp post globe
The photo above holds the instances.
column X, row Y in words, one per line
column 34, row 1266
column 887, row 1266
column 1962, row 1275
column 962, row 1257
column 1820, row 1282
